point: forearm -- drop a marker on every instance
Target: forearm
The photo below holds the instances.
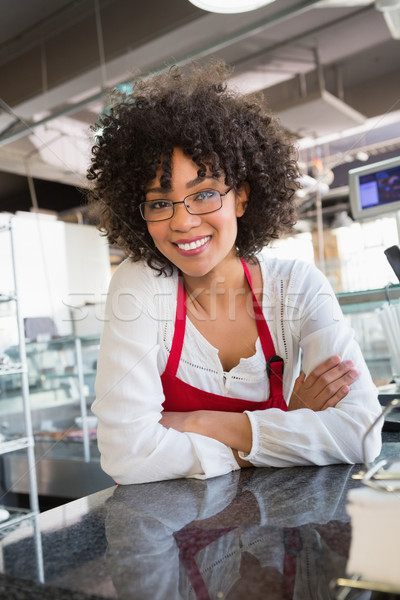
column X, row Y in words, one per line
column 306, row 437
column 231, row 429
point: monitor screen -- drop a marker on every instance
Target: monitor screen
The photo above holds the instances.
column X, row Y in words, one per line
column 375, row 189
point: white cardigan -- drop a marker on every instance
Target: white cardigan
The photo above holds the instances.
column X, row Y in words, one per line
column 305, row 321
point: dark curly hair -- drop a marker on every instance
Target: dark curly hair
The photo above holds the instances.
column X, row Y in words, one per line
column 229, row 133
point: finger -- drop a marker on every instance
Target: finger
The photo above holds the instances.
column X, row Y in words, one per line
column 299, row 382
column 334, row 386
column 336, row 374
column 296, row 398
column 336, row 398
column 324, row 367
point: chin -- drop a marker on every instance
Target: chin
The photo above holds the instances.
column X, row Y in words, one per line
column 195, row 270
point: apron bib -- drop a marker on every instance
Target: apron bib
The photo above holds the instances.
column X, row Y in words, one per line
column 182, row 397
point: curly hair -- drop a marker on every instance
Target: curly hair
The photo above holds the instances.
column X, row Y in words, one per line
column 224, row 131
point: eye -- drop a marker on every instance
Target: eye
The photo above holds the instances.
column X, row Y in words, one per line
column 155, row 205
column 203, row 196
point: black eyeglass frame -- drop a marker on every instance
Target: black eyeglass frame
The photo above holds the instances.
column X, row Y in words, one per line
column 173, row 204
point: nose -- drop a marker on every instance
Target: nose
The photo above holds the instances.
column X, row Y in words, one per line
column 182, row 220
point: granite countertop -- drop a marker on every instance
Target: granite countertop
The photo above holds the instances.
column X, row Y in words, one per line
column 257, row 533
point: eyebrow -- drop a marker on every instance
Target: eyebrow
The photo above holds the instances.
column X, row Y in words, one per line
column 190, row 184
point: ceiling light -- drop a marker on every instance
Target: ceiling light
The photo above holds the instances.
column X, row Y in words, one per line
column 361, row 155
column 230, row 6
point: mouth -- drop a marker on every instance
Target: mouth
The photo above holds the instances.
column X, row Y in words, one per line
column 194, row 245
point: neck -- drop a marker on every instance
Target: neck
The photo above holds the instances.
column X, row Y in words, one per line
column 218, row 292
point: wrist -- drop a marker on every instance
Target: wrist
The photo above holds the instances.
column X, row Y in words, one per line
column 201, row 422
column 195, row 422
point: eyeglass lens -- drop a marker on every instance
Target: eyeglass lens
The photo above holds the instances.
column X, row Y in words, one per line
column 199, row 203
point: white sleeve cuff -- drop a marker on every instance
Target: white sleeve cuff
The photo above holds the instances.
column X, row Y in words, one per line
column 215, row 458
column 250, row 456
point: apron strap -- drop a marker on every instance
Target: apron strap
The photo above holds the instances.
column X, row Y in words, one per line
column 179, row 333
column 274, row 362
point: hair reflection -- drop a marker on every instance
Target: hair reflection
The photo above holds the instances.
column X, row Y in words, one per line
column 283, row 531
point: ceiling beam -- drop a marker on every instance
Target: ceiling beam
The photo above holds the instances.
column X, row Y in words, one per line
column 18, row 131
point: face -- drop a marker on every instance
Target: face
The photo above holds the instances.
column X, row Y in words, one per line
column 196, row 244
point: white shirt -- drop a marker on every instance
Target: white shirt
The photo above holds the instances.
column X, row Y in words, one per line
column 306, row 324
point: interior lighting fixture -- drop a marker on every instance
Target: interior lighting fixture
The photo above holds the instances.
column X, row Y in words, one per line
column 230, row 6
column 362, row 156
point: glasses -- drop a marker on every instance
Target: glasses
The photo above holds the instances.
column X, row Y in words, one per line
column 200, row 203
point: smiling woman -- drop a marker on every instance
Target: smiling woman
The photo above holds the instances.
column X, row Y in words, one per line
column 203, row 226
column 199, row 367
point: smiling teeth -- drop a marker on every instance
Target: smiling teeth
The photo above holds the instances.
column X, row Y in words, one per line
column 194, row 245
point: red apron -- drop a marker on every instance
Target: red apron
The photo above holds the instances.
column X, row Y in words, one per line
column 182, row 397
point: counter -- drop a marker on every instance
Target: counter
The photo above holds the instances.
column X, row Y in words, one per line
column 257, row 533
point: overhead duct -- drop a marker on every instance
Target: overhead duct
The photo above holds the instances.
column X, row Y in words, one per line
column 318, row 114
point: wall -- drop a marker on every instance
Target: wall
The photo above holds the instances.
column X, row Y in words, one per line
column 59, row 265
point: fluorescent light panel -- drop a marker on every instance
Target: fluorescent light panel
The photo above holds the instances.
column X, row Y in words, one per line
column 230, row 6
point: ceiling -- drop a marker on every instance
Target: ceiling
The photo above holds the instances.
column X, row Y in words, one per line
column 330, row 71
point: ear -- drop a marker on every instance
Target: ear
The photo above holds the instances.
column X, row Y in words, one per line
column 242, row 199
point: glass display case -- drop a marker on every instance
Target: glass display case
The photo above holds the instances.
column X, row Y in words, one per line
column 364, row 313
column 61, row 374
column 54, row 379
column 16, row 439
column 361, row 310
column 61, row 384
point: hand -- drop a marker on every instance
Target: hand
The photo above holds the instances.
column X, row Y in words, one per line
column 175, row 420
column 325, row 386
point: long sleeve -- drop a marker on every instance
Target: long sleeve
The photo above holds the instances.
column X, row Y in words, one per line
column 313, row 322
column 134, row 447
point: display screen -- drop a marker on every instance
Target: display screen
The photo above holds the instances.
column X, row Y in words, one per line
column 380, row 188
column 375, row 189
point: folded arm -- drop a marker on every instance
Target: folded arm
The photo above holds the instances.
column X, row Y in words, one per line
column 332, row 404
column 324, row 387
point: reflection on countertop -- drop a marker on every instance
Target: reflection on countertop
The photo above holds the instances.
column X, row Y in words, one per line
column 230, row 536
column 255, row 533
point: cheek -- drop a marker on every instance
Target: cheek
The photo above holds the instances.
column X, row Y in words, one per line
column 229, row 224
column 154, row 231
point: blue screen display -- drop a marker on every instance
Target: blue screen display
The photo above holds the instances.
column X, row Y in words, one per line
column 381, row 187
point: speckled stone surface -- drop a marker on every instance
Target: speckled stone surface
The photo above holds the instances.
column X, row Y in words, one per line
column 260, row 533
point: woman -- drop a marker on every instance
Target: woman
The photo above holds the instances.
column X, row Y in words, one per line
column 198, row 372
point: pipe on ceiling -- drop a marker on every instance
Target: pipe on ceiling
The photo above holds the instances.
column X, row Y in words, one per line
column 8, row 136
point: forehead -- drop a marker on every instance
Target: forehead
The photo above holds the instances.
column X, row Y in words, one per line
column 184, row 171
